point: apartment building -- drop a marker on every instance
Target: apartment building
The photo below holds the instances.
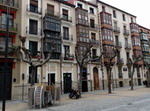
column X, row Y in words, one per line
column 119, row 29
column 67, row 23
column 12, row 66
column 145, row 37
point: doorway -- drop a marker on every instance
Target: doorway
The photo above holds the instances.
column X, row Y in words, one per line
column 51, row 78
column 67, row 82
column 8, row 79
column 96, row 78
column 84, row 80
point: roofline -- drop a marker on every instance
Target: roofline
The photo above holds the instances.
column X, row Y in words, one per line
column 115, row 8
column 144, row 27
column 66, row 3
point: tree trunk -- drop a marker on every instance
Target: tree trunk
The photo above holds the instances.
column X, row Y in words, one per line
column 132, row 78
column 33, row 69
column 109, row 79
column 80, row 82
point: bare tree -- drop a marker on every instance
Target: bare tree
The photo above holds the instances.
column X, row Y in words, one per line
column 83, row 60
column 133, row 64
column 110, row 57
column 26, row 56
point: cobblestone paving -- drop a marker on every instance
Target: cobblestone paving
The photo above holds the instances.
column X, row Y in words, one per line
column 122, row 99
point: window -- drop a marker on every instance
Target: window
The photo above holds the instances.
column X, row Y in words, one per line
column 50, row 9
column 107, row 34
column 103, row 8
column 92, row 23
column 4, row 21
column 66, row 33
column 33, row 25
column 36, row 77
column 128, row 55
column 34, row 6
column 67, row 50
column 136, row 41
column 93, row 36
column 106, row 18
column 79, row 5
column 91, row 10
column 134, row 27
column 65, row 14
column 131, row 19
column 114, row 14
column 94, row 53
column 2, row 43
column 33, row 47
column 123, row 17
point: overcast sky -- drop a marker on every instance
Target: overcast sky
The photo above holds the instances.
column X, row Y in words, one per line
column 139, row 8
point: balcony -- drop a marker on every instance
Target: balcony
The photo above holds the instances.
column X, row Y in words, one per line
column 94, row 42
column 86, row 40
column 120, row 75
column 34, row 32
column 128, row 46
column 12, row 28
column 137, row 47
column 68, row 57
column 67, row 37
column 107, row 42
column 52, row 13
column 66, row 18
column 116, row 29
column 126, row 32
column 35, row 10
column 120, row 61
column 118, row 45
column 13, row 5
column 82, row 22
column 93, row 26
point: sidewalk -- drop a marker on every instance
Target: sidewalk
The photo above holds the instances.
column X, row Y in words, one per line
column 19, row 105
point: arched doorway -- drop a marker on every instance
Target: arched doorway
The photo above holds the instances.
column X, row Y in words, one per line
column 96, row 78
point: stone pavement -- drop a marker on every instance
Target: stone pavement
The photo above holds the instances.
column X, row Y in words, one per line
column 92, row 95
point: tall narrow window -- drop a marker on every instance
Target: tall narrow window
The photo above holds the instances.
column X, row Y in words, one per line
column 93, row 36
column 123, row 17
column 67, row 50
column 36, row 77
column 33, row 47
column 114, row 14
column 33, row 25
column 92, row 23
column 50, row 9
column 91, row 10
column 4, row 21
column 66, row 33
column 94, row 53
column 79, row 5
column 65, row 14
column 34, row 6
column 103, row 8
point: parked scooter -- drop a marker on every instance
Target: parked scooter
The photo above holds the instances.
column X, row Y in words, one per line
column 74, row 94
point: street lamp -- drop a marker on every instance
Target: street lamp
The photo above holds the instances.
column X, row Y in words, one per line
column 6, row 55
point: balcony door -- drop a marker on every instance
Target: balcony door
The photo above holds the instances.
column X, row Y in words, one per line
column 66, row 33
column 50, row 9
column 33, row 27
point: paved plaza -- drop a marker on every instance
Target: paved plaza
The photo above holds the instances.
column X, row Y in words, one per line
column 122, row 99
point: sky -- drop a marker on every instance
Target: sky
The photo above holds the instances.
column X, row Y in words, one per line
column 139, row 8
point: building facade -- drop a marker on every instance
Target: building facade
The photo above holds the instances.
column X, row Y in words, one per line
column 67, row 23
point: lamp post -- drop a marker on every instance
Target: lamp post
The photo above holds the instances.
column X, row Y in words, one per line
column 6, row 56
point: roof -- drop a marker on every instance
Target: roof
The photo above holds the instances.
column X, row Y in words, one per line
column 116, row 8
